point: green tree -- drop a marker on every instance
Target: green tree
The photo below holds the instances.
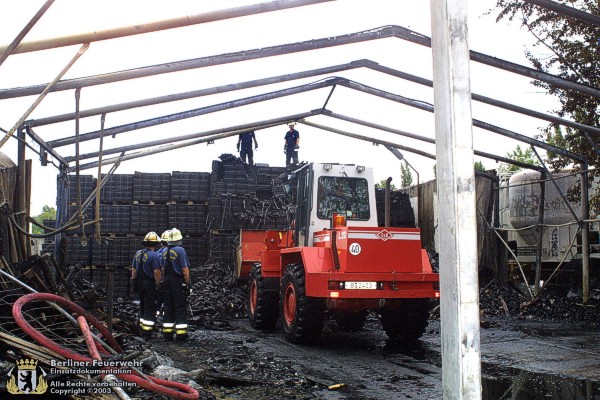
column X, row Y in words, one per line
column 518, row 154
column 48, row 213
column 479, row 166
column 571, row 51
column 381, row 185
column 405, row 175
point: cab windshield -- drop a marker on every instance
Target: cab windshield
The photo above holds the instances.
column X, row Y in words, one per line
column 343, row 195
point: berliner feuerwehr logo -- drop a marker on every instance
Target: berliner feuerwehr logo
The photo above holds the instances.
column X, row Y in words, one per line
column 26, row 377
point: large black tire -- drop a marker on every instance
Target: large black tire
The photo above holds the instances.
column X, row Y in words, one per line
column 407, row 322
column 301, row 316
column 350, row 321
column 262, row 305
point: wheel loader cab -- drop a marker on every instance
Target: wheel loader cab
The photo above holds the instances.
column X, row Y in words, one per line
column 325, row 189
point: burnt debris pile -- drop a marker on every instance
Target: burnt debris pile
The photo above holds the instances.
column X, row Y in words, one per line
column 213, row 301
column 512, row 302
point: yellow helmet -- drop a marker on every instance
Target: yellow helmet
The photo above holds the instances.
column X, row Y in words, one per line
column 165, row 236
column 175, row 237
column 151, row 239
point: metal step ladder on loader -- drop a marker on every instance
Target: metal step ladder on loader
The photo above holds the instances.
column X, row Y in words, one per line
column 336, row 260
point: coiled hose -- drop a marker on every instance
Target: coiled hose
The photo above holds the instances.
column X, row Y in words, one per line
column 174, row 390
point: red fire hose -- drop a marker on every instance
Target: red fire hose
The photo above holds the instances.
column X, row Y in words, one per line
column 167, row 388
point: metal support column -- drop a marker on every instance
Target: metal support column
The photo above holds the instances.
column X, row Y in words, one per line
column 459, row 309
column 22, row 197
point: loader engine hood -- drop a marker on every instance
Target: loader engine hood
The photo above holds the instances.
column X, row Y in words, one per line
column 375, row 249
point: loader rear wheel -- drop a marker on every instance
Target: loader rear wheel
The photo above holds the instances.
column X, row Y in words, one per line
column 348, row 321
column 262, row 305
column 408, row 322
column 301, row 316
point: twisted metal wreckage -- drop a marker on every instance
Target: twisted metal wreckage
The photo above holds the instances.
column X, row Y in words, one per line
column 47, row 318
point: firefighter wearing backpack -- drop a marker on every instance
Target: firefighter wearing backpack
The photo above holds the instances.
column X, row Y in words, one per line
column 176, row 288
column 146, row 276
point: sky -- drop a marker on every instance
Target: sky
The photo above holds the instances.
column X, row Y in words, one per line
column 68, row 17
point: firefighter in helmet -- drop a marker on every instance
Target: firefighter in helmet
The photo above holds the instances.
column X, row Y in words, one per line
column 146, row 275
column 176, row 267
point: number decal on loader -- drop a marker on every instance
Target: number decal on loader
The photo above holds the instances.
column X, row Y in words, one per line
column 355, row 249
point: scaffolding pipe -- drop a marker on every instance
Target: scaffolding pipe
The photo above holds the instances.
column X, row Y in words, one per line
column 77, row 175
column 480, row 124
column 199, row 93
column 566, row 10
column 13, row 45
column 201, row 111
column 22, row 205
column 368, row 139
column 41, row 97
column 250, row 126
column 98, row 182
column 388, row 31
column 165, row 148
column 486, row 100
column 364, row 63
column 428, row 140
column 44, row 146
column 156, row 26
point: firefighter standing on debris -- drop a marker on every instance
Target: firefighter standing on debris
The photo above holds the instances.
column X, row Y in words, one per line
column 292, row 144
column 176, row 288
column 146, row 276
column 244, row 146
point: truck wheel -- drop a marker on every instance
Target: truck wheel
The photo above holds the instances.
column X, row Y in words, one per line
column 301, row 316
column 349, row 321
column 408, row 322
column 262, row 305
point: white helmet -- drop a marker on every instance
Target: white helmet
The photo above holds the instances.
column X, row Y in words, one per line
column 165, row 236
column 175, row 237
column 151, row 239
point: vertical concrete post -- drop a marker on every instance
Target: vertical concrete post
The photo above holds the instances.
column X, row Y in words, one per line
column 461, row 362
column 585, row 233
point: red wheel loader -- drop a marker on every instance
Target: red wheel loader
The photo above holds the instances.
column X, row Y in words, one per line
column 335, row 259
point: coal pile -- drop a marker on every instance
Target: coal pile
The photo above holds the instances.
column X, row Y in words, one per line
column 498, row 302
column 213, row 302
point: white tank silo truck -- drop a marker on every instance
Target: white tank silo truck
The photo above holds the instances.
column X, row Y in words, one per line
column 519, row 209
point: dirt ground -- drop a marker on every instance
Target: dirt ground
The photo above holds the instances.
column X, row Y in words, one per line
column 540, row 350
column 533, row 353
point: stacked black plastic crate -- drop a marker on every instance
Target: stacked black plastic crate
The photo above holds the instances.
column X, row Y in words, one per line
column 116, row 218
column 208, row 208
column 190, row 186
column 118, row 189
column 151, row 187
column 87, row 186
column 149, row 218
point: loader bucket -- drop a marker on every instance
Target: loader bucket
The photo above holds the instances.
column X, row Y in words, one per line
column 252, row 242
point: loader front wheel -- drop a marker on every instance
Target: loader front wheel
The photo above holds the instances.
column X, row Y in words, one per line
column 301, row 316
column 262, row 305
column 407, row 322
